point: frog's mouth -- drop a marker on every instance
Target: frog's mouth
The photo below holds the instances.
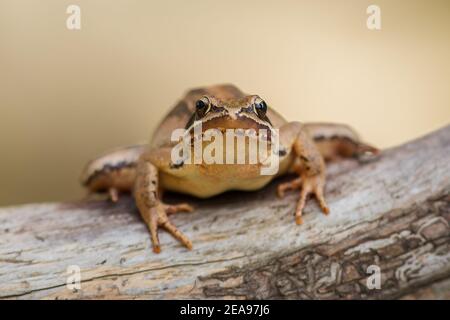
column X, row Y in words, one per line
column 241, row 122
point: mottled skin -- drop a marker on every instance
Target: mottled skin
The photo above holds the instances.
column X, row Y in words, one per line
column 147, row 170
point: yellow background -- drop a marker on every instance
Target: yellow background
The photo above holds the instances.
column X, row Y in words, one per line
column 66, row 96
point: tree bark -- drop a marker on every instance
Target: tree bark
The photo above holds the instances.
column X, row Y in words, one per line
column 390, row 215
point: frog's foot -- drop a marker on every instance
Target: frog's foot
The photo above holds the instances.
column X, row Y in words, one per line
column 366, row 153
column 308, row 185
column 159, row 218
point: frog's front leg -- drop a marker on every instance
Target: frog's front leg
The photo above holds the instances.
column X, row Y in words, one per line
column 152, row 209
column 309, row 165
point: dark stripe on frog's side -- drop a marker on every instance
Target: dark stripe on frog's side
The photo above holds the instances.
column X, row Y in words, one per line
column 319, row 138
column 359, row 149
column 107, row 168
column 112, row 160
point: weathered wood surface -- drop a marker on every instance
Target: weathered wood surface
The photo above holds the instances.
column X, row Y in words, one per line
column 393, row 213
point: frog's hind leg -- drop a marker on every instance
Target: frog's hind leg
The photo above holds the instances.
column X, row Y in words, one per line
column 113, row 172
column 336, row 141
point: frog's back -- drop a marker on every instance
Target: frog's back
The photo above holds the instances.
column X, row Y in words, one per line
column 183, row 110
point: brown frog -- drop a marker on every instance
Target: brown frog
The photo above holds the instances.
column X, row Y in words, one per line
column 148, row 170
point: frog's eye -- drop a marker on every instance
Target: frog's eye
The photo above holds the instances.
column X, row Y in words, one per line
column 202, row 106
column 260, row 107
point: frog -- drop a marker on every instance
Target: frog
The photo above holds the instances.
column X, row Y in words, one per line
column 147, row 170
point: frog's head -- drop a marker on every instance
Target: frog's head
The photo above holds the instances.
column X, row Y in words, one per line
column 235, row 118
column 249, row 112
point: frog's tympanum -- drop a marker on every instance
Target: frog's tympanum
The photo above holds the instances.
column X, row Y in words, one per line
column 147, row 170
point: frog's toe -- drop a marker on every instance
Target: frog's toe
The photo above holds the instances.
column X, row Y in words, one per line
column 163, row 221
column 291, row 185
column 311, row 185
column 318, row 192
column 181, row 207
column 177, row 234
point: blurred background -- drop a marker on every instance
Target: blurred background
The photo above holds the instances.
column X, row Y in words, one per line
column 66, row 96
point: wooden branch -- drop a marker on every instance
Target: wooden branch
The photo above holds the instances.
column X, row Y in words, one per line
column 393, row 213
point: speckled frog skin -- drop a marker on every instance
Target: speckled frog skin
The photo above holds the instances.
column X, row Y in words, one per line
column 148, row 170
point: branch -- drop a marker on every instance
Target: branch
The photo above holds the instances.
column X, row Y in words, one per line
column 393, row 213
